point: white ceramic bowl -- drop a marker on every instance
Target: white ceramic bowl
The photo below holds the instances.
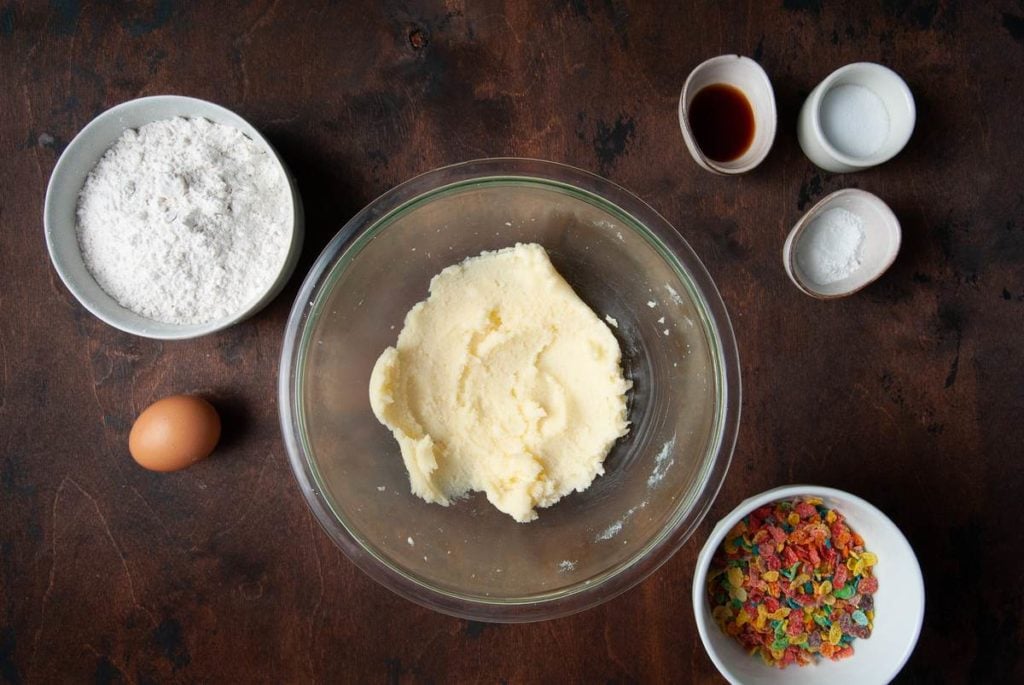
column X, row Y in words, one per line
column 899, row 602
column 895, row 96
column 882, row 238
column 66, row 181
column 746, row 75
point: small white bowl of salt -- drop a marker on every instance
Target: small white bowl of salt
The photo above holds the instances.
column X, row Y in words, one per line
column 844, row 243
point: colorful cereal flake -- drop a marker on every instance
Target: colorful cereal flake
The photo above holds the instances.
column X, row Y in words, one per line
column 792, row 583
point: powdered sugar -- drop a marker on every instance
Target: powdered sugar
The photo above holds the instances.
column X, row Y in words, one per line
column 829, row 250
column 184, row 221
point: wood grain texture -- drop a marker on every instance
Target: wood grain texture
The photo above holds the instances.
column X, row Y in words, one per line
column 910, row 393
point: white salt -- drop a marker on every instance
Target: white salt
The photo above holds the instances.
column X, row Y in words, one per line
column 855, row 120
column 829, row 249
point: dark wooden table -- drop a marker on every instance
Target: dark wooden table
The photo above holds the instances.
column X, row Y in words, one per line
column 910, row 394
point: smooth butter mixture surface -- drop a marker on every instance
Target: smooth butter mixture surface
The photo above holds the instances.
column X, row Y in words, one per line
column 502, row 381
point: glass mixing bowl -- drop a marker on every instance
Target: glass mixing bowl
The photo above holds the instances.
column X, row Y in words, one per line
column 469, row 559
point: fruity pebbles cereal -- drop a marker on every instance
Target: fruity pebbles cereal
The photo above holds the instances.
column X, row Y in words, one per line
column 792, row 581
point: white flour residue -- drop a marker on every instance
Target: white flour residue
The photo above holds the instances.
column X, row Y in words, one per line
column 613, row 530
column 673, row 295
column 611, row 321
column 662, row 463
column 412, row 543
column 566, row 566
column 652, row 304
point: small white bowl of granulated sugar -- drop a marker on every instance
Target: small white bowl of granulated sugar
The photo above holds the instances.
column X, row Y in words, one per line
column 171, row 217
column 842, row 244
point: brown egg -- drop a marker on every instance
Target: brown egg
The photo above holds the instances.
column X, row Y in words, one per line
column 174, row 433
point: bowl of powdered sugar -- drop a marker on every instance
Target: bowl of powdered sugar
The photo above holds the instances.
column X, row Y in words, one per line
column 171, row 217
column 842, row 244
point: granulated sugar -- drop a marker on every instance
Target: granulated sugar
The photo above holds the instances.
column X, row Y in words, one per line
column 855, row 120
column 184, row 221
column 829, row 249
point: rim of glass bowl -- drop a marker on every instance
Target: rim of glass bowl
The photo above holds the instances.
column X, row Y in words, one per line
column 638, row 216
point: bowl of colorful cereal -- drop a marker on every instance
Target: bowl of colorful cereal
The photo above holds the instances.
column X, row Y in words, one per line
column 806, row 584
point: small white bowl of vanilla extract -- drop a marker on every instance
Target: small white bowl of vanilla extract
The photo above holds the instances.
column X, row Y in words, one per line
column 727, row 114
